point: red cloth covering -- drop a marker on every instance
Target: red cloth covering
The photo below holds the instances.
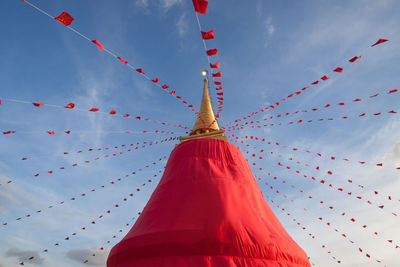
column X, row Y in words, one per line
column 207, row 211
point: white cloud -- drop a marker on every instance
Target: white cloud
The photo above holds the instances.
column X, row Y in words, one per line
column 80, row 255
column 167, row 4
column 25, row 255
column 182, row 25
column 269, row 26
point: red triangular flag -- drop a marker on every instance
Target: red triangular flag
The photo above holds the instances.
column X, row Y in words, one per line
column 70, row 105
column 214, row 66
column 94, row 109
column 218, row 74
column 212, row 52
column 207, row 35
column 338, row 69
column 155, row 80
column 99, row 45
column 324, row 78
column 200, row 6
column 65, row 18
column 140, row 70
column 112, row 112
column 164, row 86
column 38, row 104
column 123, row 61
column 379, row 42
column 355, row 59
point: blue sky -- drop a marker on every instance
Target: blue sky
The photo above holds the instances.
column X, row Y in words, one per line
column 267, row 50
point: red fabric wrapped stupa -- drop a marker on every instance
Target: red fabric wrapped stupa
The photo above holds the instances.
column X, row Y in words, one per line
column 207, row 211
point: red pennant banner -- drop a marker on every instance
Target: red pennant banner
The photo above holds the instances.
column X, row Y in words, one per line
column 65, row 18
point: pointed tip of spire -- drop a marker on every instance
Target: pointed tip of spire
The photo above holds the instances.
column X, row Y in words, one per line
column 206, row 125
column 206, row 121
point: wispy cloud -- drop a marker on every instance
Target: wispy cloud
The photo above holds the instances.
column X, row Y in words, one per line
column 182, row 25
column 25, row 255
column 269, row 26
column 95, row 256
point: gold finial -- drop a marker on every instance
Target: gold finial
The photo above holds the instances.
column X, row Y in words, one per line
column 206, row 126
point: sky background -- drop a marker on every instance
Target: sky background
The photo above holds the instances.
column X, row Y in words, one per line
column 267, row 50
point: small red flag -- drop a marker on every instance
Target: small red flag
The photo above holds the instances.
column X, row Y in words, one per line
column 140, row 70
column 212, row 52
column 316, row 82
column 70, row 105
column 112, row 112
column 172, row 92
column 99, row 45
column 67, row 132
column 207, row 35
column 126, row 115
column 155, row 80
column 38, row 104
column 200, row 6
column 338, row 69
column 324, row 78
column 379, row 42
column 164, row 86
column 218, row 74
column 217, row 83
column 123, row 61
column 94, row 109
column 65, row 18
column 214, row 66
column 51, row 132
column 355, row 59
column 393, row 91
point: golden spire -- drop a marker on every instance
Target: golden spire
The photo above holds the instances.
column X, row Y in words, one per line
column 206, row 121
column 206, row 126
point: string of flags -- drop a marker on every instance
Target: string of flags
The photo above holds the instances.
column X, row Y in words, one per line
column 92, row 222
column 313, row 84
column 83, row 195
column 331, row 157
column 313, row 110
column 115, row 236
column 300, row 121
column 361, row 250
column 112, row 112
column 52, row 171
column 66, row 19
column 200, row 7
column 299, row 224
column 329, row 172
column 331, row 207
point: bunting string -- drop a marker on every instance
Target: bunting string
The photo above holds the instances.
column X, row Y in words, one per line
column 51, row 172
column 323, row 181
column 92, row 222
column 361, row 250
column 115, row 236
column 200, row 7
column 72, row 106
column 112, row 147
column 299, row 224
column 66, row 19
column 324, row 78
column 84, row 194
column 63, row 168
column 331, row 208
column 320, row 155
column 313, row 110
column 301, row 121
